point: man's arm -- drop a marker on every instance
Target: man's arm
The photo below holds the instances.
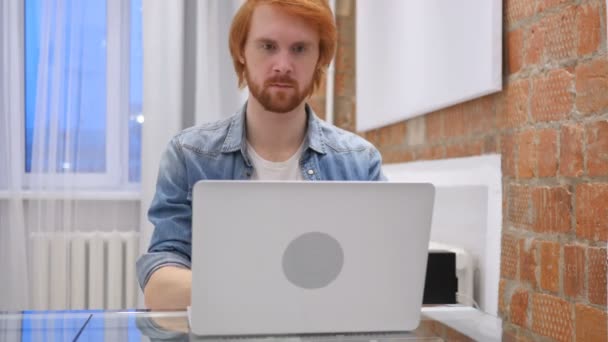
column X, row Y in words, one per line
column 163, row 273
column 169, row 288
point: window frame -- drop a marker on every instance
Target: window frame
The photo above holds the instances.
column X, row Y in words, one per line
column 117, row 113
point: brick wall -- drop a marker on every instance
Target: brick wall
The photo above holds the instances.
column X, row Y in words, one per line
column 550, row 124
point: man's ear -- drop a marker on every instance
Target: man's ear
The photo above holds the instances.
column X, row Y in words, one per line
column 242, row 59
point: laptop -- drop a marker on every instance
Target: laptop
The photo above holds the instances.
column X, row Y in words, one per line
column 291, row 258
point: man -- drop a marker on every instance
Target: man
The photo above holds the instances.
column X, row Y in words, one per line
column 280, row 49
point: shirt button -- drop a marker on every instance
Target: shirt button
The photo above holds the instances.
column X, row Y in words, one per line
column 311, row 172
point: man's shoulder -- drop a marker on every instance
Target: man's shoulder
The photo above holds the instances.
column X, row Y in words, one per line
column 205, row 138
column 340, row 140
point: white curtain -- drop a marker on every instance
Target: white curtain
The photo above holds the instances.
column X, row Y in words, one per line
column 13, row 259
column 58, row 161
column 188, row 78
column 62, row 146
column 217, row 94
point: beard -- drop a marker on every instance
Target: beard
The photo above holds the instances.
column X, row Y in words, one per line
column 281, row 100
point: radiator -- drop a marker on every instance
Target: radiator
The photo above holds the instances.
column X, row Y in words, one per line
column 92, row 270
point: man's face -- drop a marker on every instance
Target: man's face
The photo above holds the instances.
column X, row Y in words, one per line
column 280, row 57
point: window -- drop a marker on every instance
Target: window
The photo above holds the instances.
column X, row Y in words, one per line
column 83, row 92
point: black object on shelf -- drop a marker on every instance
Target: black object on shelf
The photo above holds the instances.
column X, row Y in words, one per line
column 441, row 283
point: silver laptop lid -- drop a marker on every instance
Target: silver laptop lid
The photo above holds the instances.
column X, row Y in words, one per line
column 274, row 258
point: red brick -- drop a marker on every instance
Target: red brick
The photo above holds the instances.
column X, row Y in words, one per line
column 549, row 266
column 465, row 149
column 589, row 28
column 456, row 150
column 322, row 90
column 434, row 126
column 561, row 34
column 515, row 10
column 502, row 285
column 507, row 151
column 597, row 276
column 318, row 105
column 430, row 153
column 591, row 324
column 371, row 136
column 519, row 213
column 398, row 132
column 512, row 335
column 551, row 208
column 574, row 270
column 514, row 50
column 505, row 204
column 345, row 109
column 345, row 21
column 519, row 308
column 345, row 56
column 535, row 45
column 393, row 134
column 527, row 262
column 509, row 257
column 592, row 211
column 597, row 148
column 490, row 144
column 551, row 317
column 397, row 156
column 480, row 115
column 438, row 328
column 526, row 163
column 592, row 86
column 342, row 84
column 509, row 335
column 430, row 327
column 454, row 122
column 571, row 151
column 543, row 5
column 547, row 153
column 525, row 336
column 512, row 105
column 552, row 97
column 454, row 335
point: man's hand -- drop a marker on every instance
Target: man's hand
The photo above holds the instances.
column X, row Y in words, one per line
column 169, row 288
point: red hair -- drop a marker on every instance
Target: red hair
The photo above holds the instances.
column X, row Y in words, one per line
column 315, row 12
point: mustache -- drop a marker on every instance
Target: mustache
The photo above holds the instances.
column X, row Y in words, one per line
column 280, row 79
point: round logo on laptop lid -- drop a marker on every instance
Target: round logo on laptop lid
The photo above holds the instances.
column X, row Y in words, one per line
column 313, row 260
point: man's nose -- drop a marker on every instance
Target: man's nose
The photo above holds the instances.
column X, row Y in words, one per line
column 283, row 63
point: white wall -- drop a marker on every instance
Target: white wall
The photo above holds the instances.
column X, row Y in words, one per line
column 417, row 56
column 460, row 219
column 86, row 215
column 468, row 211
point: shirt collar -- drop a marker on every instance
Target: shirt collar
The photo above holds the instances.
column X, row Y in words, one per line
column 236, row 137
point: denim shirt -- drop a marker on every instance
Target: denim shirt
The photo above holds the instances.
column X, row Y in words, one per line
column 218, row 151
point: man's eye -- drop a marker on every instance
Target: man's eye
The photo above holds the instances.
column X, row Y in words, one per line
column 268, row 46
column 299, row 48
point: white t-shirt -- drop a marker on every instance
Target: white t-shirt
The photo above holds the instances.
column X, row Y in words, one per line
column 288, row 170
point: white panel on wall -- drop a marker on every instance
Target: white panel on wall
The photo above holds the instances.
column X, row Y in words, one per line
column 452, row 177
column 417, row 56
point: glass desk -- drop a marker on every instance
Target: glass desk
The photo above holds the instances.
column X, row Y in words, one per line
column 439, row 323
